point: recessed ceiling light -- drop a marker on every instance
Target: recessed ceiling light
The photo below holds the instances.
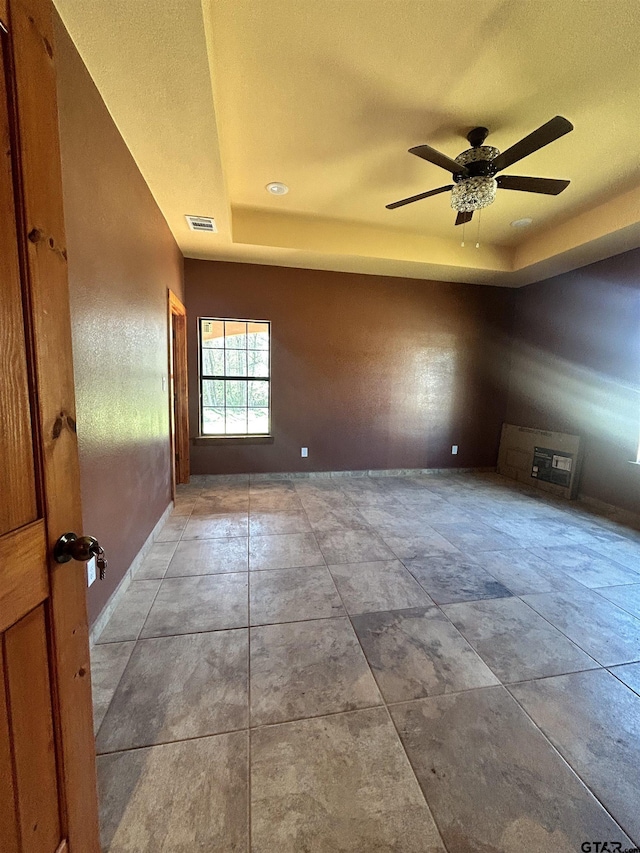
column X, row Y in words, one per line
column 521, row 223
column 277, row 188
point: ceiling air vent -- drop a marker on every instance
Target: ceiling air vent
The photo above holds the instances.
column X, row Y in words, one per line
column 202, row 223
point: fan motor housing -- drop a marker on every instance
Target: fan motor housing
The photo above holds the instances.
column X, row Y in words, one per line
column 478, row 162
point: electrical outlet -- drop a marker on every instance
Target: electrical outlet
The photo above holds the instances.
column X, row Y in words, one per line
column 91, row 571
column 304, row 452
column 164, row 383
column 454, row 449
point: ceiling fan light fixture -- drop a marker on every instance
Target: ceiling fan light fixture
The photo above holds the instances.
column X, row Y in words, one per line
column 473, row 155
column 473, row 194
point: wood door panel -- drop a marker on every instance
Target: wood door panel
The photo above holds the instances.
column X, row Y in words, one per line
column 26, row 660
column 17, row 477
column 9, row 841
column 45, row 652
column 179, row 392
column 24, row 579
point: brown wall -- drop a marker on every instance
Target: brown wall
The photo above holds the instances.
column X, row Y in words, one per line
column 122, row 259
column 576, row 368
column 368, row 371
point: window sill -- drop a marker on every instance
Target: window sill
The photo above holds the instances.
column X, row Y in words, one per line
column 209, row 440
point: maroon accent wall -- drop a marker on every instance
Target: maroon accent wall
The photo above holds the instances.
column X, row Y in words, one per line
column 576, row 368
column 122, row 260
column 368, row 371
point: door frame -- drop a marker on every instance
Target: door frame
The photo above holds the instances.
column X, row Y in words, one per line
column 40, row 227
column 178, row 392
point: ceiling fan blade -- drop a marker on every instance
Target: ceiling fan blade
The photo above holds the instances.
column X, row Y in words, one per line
column 438, row 159
column 462, row 218
column 546, row 186
column 549, row 132
column 417, row 197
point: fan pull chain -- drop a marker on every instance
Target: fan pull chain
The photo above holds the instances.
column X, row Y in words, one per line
column 462, row 244
column 478, row 233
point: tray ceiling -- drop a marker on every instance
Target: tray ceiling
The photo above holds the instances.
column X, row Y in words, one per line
column 217, row 98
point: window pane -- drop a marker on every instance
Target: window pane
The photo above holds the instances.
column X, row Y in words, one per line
column 212, row 421
column 258, row 421
column 212, row 333
column 236, row 393
column 236, row 362
column 236, row 421
column 258, row 393
column 235, row 335
column 258, row 335
column 212, row 362
column 257, row 362
column 212, row 393
column 231, row 349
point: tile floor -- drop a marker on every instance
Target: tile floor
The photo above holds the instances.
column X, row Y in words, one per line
column 377, row 665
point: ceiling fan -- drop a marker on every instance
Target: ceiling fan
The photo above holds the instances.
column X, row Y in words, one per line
column 474, row 170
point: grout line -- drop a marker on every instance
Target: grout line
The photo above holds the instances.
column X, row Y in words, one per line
column 615, row 675
column 169, row 742
column 134, row 641
column 384, row 704
column 565, row 761
column 415, row 776
column 387, row 705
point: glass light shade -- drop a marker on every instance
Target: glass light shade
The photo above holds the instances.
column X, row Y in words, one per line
column 482, row 152
column 473, row 193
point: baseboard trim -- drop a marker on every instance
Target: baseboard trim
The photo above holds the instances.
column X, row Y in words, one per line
column 114, row 599
column 203, row 479
column 624, row 516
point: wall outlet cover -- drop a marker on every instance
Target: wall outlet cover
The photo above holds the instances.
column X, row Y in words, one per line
column 454, row 449
column 304, row 452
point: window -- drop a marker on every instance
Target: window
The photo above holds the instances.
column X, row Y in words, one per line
column 234, row 377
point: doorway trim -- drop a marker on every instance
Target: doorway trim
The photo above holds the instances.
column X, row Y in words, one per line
column 178, row 392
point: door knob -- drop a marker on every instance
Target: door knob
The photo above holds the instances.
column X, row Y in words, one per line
column 81, row 548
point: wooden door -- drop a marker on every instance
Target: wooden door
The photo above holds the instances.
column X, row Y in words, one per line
column 48, row 801
column 178, row 388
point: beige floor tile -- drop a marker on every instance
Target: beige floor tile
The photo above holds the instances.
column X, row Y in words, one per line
column 627, row 597
column 379, row 585
column 514, row 641
column 339, row 783
column 286, row 551
column 210, row 556
column 202, row 603
column 175, row 688
column 264, row 523
column 594, row 722
column 176, row 798
column 220, row 526
column 353, row 546
column 173, row 529
column 605, row 631
column 129, row 616
column 108, row 662
column 155, row 563
column 416, row 653
column 629, row 674
column 293, row 595
column 306, row 669
column 493, row 781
